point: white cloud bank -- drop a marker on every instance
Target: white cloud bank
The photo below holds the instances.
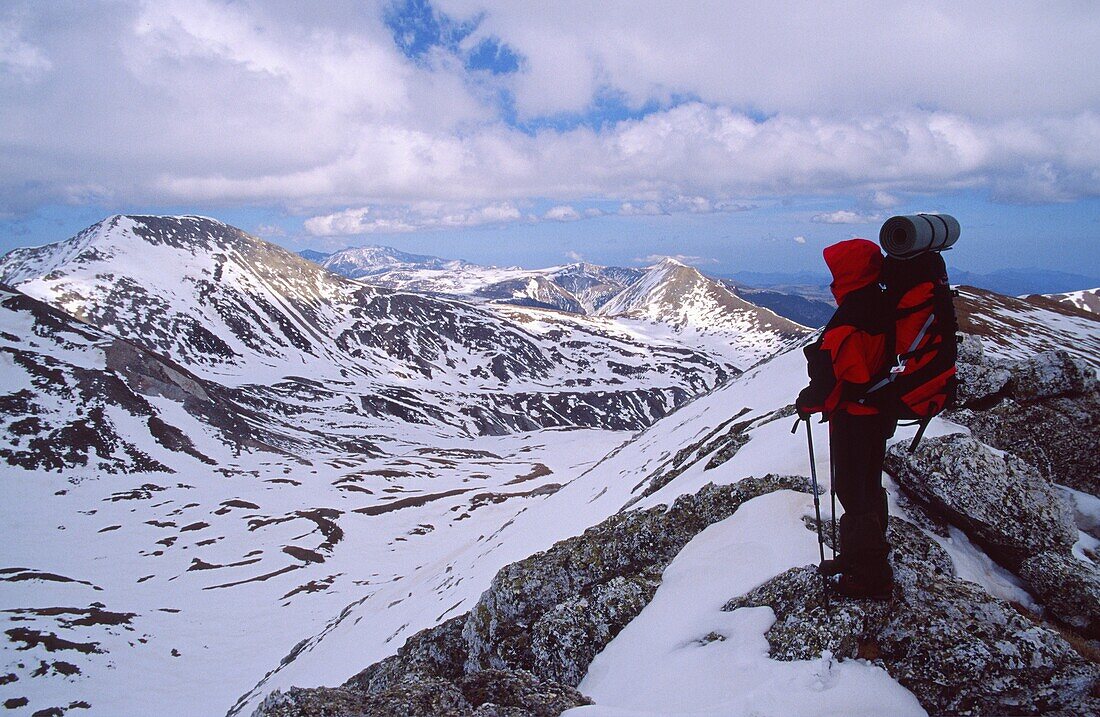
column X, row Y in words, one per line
column 845, row 216
column 316, row 110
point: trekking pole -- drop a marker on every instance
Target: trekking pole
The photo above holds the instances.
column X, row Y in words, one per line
column 817, row 509
column 813, row 479
column 832, row 490
column 817, row 501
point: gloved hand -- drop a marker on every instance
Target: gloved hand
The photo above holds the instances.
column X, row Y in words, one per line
column 805, row 404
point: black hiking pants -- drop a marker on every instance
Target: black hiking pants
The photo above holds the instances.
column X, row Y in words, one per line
column 858, row 447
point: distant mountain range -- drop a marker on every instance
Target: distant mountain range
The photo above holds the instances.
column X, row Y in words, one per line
column 667, row 297
column 1011, row 282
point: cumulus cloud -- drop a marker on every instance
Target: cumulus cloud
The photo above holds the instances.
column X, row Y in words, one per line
column 801, row 58
column 844, row 216
column 319, row 112
column 632, row 209
column 401, row 219
column 562, row 213
column 800, row 240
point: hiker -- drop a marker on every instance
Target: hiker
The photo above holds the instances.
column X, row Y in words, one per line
column 842, row 364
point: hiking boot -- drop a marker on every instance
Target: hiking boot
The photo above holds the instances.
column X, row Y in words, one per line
column 834, row 566
column 860, row 587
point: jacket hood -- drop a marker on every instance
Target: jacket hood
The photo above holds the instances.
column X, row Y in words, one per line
column 855, row 263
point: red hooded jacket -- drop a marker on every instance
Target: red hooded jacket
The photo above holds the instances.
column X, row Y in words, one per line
column 852, row 348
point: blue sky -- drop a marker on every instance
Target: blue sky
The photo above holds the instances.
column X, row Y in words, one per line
column 738, row 137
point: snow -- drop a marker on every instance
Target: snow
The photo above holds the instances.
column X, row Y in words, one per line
column 1086, row 508
column 664, row 663
column 1086, row 299
column 394, row 572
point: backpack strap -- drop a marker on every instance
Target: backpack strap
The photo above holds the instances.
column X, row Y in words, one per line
column 899, row 367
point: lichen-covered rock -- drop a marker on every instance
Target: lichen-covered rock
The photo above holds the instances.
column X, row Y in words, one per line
column 1001, row 502
column 541, row 594
column 1068, row 587
column 1045, row 410
column 491, row 693
column 980, row 380
column 1060, row 437
column 412, row 698
column 566, row 639
column 511, row 691
column 959, row 650
column 438, row 651
column 1051, row 374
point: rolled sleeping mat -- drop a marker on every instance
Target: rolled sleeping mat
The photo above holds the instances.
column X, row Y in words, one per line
column 910, row 234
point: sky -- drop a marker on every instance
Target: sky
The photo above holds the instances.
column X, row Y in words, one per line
column 735, row 136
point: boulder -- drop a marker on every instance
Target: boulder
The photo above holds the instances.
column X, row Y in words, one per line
column 959, row 650
column 1068, row 587
column 1001, row 502
column 1060, row 437
column 1045, row 409
column 1051, row 374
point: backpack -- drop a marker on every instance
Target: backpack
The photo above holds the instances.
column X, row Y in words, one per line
column 918, row 380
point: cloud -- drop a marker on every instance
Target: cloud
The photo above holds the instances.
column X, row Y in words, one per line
column 402, row 219
column 844, row 216
column 882, row 200
column 809, row 58
column 270, row 230
column 630, row 209
column 18, row 58
column 321, row 113
column 562, row 213
column 800, row 240
column 682, row 258
column 574, row 256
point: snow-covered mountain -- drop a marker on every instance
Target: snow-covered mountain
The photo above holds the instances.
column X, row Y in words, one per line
column 1086, row 300
column 250, row 315
column 577, row 288
column 360, row 262
column 669, row 301
column 1016, row 328
column 680, row 297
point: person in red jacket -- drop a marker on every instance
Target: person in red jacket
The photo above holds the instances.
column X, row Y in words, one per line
column 842, row 364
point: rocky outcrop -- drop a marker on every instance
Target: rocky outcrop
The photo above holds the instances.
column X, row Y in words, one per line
column 491, row 693
column 1019, row 518
column 1045, row 410
column 531, row 637
column 1069, row 587
column 959, row 650
column 1000, row 501
column 554, row 611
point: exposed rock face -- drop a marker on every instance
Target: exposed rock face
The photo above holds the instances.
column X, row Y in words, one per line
column 1045, row 410
column 439, row 651
column 534, row 632
column 1005, row 506
column 491, row 693
column 998, row 500
column 1069, row 587
column 554, row 611
column 957, row 649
